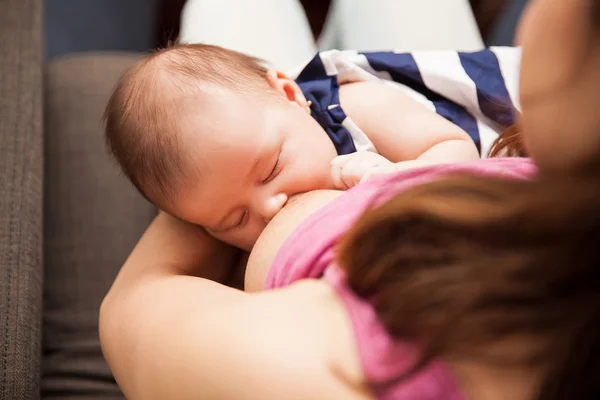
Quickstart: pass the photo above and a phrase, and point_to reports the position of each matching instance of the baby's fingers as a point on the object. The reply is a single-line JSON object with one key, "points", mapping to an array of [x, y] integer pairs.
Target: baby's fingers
{"points": [[339, 161], [353, 171], [336, 171], [380, 170]]}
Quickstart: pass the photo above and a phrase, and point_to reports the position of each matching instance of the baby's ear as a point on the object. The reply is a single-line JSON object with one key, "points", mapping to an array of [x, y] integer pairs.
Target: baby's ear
{"points": [[285, 87]]}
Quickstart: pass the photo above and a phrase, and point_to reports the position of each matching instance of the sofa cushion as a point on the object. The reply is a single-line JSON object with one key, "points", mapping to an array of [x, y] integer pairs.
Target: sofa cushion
{"points": [[93, 218], [21, 166]]}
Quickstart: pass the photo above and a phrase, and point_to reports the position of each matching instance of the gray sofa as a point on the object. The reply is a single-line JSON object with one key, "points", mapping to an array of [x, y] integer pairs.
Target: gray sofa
{"points": [[68, 219]]}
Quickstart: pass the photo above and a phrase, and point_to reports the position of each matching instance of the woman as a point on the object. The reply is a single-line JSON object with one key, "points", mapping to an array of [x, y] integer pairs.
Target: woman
{"points": [[460, 270]]}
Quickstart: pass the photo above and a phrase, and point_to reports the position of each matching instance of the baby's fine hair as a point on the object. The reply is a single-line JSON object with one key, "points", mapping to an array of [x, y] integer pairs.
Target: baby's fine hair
{"points": [[141, 115]]}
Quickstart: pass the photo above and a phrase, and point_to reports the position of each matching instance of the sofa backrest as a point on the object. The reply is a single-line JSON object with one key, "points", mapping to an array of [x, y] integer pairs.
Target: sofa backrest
{"points": [[21, 188]]}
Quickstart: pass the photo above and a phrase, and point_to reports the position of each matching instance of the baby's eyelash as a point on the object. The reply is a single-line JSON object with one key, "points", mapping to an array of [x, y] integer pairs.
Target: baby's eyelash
{"points": [[242, 220], [274, 171]]}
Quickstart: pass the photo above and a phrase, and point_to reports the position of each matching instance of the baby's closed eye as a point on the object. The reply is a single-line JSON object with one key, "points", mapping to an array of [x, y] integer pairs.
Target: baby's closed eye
{"points": [[275, 169], [242, 220]]}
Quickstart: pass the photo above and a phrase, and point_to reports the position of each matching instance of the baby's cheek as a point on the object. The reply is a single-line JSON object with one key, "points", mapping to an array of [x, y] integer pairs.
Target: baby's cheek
{"points": [[309, 176]]}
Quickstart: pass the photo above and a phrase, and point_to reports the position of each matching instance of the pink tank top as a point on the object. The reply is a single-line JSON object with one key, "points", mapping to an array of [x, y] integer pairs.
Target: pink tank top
{"points": [[309, 253]]}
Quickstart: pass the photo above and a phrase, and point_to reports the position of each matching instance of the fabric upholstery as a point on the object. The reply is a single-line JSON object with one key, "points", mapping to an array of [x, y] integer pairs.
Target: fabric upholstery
{"points": [[21, 163], [93, 218]]}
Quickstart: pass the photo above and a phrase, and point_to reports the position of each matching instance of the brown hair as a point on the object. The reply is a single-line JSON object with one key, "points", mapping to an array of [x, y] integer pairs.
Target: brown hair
{"points": [[141, 115], [466, 264], [509, 143], [463, 263]]}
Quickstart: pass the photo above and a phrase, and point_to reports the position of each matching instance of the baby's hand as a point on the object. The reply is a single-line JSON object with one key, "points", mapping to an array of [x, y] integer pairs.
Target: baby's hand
{"points": [[397, 167], [351, 169]]}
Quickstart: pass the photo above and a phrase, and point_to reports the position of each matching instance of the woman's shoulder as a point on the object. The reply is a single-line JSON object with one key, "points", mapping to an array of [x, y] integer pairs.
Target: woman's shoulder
{"points": [[302, 334], [328, 329]]}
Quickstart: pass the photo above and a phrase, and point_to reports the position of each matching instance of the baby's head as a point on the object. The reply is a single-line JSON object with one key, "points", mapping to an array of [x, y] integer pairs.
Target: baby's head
{"points": [[214, 137]]}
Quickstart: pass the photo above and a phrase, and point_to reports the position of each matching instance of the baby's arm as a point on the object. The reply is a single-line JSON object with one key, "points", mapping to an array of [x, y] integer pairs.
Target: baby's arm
{"points": [[403, 129], [404, 132]]}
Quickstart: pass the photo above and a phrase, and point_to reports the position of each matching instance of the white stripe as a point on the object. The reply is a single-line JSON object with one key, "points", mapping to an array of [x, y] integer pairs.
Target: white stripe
{"points": [[384, 76], [349, 71], [361, 61], [368, 73], [328, 60], [487, 135], [509, 59], [443, 73], [360, 139]]}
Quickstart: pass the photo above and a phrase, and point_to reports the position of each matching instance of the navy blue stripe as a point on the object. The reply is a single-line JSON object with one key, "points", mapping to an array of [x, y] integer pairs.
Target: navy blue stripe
{"points": [[484, 69], [313, 70], [459, 116], [323, 91], [404, 69], [344, 143]]}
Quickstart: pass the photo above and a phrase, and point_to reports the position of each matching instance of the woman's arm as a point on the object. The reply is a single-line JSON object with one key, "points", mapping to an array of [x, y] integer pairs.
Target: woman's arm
{"points": [[170, 245], [166, 334], [402, 129]]}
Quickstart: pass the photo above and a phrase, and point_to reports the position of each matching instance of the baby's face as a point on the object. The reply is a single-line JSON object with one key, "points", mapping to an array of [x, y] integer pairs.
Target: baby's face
{"points": [[252, 156]]}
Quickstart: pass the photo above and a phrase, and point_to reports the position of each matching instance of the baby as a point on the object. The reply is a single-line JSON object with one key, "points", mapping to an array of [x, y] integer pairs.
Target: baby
{"points": [[218, 139]]}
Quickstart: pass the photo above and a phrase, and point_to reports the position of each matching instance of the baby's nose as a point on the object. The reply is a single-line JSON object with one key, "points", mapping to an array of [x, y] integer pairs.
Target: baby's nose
{"points": [[273, 205]]}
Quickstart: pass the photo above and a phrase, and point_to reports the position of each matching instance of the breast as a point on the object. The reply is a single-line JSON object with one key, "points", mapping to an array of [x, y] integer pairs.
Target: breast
{"points": [[278, 231]]}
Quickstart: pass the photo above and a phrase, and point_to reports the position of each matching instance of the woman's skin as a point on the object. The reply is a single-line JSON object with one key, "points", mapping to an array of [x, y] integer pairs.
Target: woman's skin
{"points": [[170, 330], [272, 238], [209, 336], [560, 81]]}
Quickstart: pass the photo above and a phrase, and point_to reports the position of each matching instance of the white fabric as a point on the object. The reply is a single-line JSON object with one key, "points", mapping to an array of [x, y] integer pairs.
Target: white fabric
{"points": [[274, 30], [368, 25], [359, 138], [510, 64], [278, 31], [443, 73]]}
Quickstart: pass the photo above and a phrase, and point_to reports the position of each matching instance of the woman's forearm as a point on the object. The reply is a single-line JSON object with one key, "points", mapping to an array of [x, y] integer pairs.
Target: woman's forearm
{"points": [[157, 275], [174, 247], [169, 248]]}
